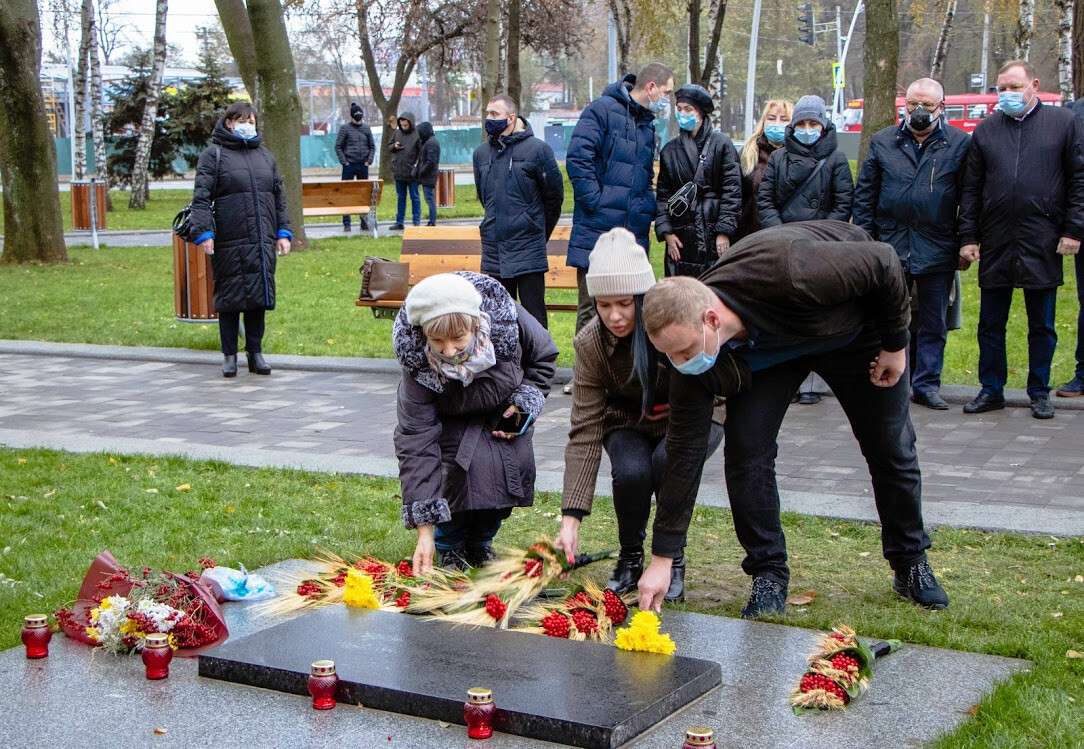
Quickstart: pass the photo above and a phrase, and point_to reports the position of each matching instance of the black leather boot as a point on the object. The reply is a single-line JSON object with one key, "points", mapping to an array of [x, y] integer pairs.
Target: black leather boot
{"points": [[676, 591], [257, 364], [627, 571], [229, 365], [479, 556]]}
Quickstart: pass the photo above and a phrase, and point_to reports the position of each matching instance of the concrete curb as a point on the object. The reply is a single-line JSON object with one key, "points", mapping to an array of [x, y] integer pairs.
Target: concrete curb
{"points": [[338, 364], [957, 394]]}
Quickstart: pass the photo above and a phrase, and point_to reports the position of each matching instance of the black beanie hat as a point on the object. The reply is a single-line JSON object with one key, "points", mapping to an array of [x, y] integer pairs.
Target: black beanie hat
{"points": [[356, 110], [696, 95]]}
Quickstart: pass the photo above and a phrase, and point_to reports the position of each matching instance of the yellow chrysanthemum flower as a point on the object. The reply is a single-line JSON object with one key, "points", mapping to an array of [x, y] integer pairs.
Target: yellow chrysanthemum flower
{"points": [[93, 633], [642, 635], [358, 592]]}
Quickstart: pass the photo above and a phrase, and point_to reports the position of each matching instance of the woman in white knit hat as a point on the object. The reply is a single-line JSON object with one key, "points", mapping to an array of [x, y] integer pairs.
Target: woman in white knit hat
{"points": [[619, 405], [476, 371]]}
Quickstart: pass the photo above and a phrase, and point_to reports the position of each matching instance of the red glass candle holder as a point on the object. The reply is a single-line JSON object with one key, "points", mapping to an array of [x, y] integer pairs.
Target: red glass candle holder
{"points": [[699, 737], [478, 712], [322, 682], [36, 635], [157, 655]]}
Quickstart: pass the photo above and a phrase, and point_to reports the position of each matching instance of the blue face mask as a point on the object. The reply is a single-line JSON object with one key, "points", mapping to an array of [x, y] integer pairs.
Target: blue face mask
{"points": [[700, 363], [245, 130], [807, 135], [775, 133], [661, 107], [1011, 102], [687, 121]]}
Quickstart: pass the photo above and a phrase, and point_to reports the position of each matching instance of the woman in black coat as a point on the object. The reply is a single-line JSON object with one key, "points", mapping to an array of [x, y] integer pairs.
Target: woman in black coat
{"points": [[239, 218], [807, 179], [427, 169], [697, 234]]}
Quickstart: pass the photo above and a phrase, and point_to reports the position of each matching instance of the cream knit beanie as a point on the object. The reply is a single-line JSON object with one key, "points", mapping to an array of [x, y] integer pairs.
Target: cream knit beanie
{"points": [[618, 266], [442, 294]]}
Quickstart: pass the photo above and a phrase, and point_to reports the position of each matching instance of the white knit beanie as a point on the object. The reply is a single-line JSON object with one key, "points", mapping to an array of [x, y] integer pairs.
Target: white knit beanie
{"points": [[442, 294], [618, 266]]}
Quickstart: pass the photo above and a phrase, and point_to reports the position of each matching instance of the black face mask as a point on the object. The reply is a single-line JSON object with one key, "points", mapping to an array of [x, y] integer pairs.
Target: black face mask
{"points": [[920, 120]]}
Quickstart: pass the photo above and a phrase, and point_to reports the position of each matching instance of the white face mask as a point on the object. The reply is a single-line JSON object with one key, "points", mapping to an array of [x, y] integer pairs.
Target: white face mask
{"points": [[245, 130]]}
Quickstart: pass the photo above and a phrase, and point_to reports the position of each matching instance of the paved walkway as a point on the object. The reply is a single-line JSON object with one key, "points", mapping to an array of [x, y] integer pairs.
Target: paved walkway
{"points": [[1001, 470]]}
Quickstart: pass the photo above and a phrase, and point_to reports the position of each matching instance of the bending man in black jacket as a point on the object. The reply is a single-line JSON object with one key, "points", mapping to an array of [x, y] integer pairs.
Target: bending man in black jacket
{"points": [[814, 296]]}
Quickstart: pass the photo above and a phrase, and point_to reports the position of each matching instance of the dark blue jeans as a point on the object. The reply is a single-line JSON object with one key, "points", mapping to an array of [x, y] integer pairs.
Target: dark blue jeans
{"points": [[638, 466], [1042, 339], [932, 299], [470, 529], [402, 186], [355, 171], [880, 419], [430, 193], [1079, 260]]}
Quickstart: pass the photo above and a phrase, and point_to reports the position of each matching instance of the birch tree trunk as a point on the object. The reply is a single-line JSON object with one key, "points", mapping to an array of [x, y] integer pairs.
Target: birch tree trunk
{"points": [[79, 116], [140, 181], [621, 11], [881, 61], [97, 122], [1066, 11], [33, 231], [937, 67], [1025, 27], [491, 53]]}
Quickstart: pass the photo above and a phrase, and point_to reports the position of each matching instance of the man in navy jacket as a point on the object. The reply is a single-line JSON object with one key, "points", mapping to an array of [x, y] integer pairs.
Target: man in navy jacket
{"points": [[908, 195], [611, 164]]}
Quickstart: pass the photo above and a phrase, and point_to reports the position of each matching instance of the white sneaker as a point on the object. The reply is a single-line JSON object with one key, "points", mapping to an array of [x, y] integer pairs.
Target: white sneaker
{"points": [[567, 389]]}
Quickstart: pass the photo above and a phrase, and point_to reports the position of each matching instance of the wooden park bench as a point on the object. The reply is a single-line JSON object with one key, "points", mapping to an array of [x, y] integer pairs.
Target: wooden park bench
{"points": [[430, 250], [340, 197]]}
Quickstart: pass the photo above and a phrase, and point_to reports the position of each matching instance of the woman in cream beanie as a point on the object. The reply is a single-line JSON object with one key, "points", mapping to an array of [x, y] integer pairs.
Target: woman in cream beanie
{"points": [[620, 405]]}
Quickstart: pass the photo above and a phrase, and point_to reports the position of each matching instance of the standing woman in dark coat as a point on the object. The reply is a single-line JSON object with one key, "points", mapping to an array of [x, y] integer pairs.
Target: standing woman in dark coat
{"points": [[767, 138], [696, 233], [239, 218], [428, 168]]}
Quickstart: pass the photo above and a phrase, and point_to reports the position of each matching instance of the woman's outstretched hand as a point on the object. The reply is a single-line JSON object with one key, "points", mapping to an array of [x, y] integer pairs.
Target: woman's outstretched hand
{"points": [[424, 551]]}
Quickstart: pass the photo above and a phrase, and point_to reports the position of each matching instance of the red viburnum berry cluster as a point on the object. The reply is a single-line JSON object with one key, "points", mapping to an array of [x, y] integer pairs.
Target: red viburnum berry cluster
{"points": [[373, 569], [403, 600], [405, 568], [310, 589], [585, 621], [191, 633], [495, 607], [838, 636], [847, 664], [556, 624], [615, 608], [340, 578], [532, 567], [580, 600], [207, 563], [811, 682]]}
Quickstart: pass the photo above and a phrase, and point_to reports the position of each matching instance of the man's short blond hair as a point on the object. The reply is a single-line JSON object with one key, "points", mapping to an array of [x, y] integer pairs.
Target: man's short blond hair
{"points": [[678, 300]]}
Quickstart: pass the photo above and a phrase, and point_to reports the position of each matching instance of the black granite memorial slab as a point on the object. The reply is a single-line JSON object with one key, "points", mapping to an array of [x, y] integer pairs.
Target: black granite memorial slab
{"points": [[579, 693]]}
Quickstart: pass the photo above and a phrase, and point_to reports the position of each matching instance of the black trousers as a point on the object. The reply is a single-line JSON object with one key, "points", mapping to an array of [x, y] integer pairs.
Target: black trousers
{"points": [[638, 465], [530, 290], [881, 421], [229, 325]]}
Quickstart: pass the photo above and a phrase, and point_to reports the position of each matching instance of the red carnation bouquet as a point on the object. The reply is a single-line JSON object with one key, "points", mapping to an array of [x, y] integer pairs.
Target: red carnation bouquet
{"points": [[839, 670], [116, 608]]}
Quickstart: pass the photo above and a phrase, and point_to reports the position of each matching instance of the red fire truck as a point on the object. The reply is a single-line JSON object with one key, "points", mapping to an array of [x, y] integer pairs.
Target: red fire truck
{"points": [[964, 111]]}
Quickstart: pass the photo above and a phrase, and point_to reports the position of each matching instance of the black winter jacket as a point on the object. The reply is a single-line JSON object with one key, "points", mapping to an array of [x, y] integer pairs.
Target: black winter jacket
{"points": [[815, 279], [750, 185], [719, 193], [405, 147], [354, 144], [1023, 190], [911, 199], [428, 167], [827, 196], [520, 188], [243, 208]]}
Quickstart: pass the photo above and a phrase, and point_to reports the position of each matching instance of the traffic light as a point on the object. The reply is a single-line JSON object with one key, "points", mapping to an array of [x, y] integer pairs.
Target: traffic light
{"points": [[805, 23]]}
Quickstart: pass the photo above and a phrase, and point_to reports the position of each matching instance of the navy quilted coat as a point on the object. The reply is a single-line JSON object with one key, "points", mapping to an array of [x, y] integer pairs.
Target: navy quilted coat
{"points": [[610, 163]]}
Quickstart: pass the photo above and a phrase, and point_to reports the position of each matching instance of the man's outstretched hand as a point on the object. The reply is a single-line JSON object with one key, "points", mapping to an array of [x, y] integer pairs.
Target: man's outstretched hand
{"points": [[886, 370], [654, 583]]}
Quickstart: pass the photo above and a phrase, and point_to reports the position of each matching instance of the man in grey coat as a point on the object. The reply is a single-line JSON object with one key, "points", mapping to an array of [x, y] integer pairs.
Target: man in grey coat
{"points": [[355, 148]]}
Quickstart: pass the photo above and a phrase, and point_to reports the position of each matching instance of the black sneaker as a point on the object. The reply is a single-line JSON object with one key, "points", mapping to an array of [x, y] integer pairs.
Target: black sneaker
{"points": [[1041, 407], [453, 560], [917, 583], [931, 400], [480, 556], [809, 399], [984, 402], [627, 572], [395, 227], [1074, 388], [766, 598]]}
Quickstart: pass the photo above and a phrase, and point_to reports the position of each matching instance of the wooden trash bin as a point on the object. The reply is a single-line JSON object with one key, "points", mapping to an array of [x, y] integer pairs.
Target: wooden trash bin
{"points": [[193, 283], [446, 188], [80, 191]]}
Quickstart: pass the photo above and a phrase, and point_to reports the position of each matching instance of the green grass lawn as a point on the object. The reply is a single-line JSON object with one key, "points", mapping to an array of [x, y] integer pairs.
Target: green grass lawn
{"points": [[1012, 595], [125, 297]]}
